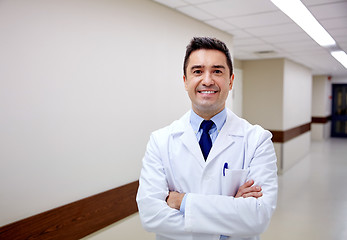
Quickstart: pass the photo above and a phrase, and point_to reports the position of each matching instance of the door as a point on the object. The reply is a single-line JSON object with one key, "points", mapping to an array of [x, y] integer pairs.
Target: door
{"points": [[339, 114]]}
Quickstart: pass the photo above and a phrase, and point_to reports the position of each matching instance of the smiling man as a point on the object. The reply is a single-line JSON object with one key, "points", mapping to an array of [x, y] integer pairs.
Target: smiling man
{"points": [[210, 174], [208, 80]]}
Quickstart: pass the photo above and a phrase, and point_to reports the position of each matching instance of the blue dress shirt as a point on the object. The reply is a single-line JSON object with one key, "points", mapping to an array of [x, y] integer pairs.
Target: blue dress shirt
{"points": [[219, 120]]}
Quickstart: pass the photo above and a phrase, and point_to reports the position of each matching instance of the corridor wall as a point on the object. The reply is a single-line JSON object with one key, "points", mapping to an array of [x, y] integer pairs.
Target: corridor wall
{"points": [[277, 95], [321, 107], [83, 84]]}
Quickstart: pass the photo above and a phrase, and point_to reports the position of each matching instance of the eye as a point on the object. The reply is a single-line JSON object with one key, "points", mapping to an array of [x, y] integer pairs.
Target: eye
{"points": [[197, 71], [218, 71]]}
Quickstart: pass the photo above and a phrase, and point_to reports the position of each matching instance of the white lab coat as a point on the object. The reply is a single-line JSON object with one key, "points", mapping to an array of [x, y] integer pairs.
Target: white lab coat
{"points": [[173, 162]]}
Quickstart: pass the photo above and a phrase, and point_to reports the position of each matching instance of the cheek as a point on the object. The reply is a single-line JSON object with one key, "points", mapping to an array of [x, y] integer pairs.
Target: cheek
{"points": [[190, 86], [185, 86]]}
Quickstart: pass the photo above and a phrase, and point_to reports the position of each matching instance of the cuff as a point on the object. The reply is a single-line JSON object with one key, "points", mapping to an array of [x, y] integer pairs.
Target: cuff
{"points": [[183, 204]]}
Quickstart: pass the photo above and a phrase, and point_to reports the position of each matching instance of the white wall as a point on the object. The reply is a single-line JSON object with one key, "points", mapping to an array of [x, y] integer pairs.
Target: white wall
{"points": [[295, 150], [234, 100], [339, 80], [263, 92], [321, 106], [297, 105], [82, 85], [297, 95], [320, 131], [321, 96]]}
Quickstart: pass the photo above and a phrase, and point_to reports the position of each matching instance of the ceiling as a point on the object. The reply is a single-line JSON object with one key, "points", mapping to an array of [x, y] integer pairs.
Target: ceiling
{"points": [[261, 30]]}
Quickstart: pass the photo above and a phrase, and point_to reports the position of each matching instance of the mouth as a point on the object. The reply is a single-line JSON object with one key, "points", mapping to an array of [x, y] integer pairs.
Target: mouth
{"points": [[207, 91]]}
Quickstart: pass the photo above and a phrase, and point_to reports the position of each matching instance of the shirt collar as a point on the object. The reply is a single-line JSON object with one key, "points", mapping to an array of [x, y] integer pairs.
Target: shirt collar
{"points": [[218, 119]]}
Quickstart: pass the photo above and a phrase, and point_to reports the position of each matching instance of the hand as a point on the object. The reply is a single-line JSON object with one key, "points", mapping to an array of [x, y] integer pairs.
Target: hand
{"points": [[248, 190], [174, 200]]}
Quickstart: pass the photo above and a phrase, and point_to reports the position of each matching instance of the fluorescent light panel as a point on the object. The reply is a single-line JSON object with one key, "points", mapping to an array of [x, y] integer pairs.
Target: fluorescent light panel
{"points": [[302, 16], [340, 56]]}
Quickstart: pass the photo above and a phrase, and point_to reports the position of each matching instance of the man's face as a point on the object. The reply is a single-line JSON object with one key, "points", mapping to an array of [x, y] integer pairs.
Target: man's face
{"points": [[208, 81]]}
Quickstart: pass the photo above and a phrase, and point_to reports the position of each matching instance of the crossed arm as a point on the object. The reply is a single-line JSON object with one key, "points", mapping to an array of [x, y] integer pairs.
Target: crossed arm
{"points": [[248, 189], [245, 214]]}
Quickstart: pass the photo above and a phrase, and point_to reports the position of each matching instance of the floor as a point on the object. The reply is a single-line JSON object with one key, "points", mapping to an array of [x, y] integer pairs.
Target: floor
{"points": [[312, 201]]}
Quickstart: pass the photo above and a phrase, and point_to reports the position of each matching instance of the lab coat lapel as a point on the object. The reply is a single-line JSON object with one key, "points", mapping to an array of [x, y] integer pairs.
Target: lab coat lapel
{"points": [[189, 140], [223, 141], [226, 136]]}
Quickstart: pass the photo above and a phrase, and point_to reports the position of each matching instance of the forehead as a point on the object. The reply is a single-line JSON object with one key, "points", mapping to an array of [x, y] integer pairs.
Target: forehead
{"points": [[207, 57]]}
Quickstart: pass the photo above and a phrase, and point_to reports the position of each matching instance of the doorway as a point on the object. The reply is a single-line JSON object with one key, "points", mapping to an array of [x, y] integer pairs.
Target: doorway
{"points": [[339, 111]]}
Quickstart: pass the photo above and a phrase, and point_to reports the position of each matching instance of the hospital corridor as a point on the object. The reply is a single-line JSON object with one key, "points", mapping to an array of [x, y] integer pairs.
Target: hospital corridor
{"points": [[312, 197], [115, 112]]}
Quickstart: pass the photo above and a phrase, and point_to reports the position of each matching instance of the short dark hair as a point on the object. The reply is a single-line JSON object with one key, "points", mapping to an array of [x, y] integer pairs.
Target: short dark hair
{"points": [[207, 43]]}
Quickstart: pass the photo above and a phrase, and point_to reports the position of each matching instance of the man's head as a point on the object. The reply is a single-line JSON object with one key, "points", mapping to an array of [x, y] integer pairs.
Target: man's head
{"points": [[208, 76], [207, 43]]}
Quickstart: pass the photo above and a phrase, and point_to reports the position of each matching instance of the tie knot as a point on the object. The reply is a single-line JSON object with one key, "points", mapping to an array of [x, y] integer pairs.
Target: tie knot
{"points": [[206, 125]]}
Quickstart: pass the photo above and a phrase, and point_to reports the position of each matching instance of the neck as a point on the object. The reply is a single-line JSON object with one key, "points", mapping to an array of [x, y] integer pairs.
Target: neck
{"points": [[207, 115]]}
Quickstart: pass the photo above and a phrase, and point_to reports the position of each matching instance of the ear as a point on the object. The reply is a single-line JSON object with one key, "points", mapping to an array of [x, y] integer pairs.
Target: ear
{"points": [[185, 82], [231, 82]]}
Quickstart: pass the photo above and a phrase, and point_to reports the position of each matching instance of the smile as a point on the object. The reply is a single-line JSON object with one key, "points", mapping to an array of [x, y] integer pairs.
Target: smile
{"points": [[207, 92]]}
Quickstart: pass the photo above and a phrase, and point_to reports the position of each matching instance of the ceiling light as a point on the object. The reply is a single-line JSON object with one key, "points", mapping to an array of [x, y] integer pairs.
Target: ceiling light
{"points": [[340, 56], [302, 16]]}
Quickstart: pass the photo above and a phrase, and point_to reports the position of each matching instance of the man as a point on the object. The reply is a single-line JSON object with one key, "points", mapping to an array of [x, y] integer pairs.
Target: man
{"points": [[190, 190]]}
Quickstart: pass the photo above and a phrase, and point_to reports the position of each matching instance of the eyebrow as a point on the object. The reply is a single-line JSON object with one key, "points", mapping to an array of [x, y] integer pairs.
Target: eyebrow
{"points": [[201, 66], [196, 66], [218, 66]]}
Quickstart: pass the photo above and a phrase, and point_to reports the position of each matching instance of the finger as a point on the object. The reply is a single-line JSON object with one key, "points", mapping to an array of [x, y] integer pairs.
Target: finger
{"points": [[254, 191], [250, 189], [250, 192], [247, 184], [243, 189], [253, 194], [247, 188]]}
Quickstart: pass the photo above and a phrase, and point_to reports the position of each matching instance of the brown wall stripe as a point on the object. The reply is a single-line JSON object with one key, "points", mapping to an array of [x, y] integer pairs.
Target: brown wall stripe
{"points": [[77, 219], [284, 136], [321, 119]]}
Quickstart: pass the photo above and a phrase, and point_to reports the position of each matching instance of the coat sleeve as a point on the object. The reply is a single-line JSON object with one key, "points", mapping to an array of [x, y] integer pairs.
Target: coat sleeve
{"points": [[156, 216], [239, 217]]}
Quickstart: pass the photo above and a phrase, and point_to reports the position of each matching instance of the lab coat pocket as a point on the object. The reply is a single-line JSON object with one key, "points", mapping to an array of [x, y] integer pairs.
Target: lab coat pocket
{"points": [[233, 179]]}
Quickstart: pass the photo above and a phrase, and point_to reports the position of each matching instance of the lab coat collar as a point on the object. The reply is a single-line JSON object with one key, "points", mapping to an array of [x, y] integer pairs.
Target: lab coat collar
{"points": [[232, 129], [234, 125]]}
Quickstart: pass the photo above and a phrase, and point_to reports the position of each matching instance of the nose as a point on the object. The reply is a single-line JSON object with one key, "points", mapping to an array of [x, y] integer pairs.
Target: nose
{"points": [[207, 79]]}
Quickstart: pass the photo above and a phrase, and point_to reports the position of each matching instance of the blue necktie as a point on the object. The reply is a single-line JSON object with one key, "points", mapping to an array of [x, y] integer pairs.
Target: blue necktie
{"points": [[205, 140]]}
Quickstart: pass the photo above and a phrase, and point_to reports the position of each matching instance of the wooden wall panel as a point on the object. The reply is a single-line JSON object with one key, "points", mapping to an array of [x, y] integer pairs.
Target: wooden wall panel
{"points": [[321, 119], [284, 136], [77, 219]]}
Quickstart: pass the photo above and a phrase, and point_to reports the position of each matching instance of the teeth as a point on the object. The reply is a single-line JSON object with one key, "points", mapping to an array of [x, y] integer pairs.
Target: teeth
{"points": [[207, 91]]}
